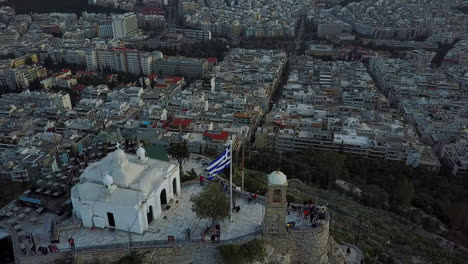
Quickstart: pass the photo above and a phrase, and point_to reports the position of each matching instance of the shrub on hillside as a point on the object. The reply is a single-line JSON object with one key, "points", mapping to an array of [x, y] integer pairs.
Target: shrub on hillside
{"points": [[251, 251], [133, 257]]}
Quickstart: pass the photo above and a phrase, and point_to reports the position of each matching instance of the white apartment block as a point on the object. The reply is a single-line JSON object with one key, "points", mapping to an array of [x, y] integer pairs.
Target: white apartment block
{"points": [[120, 59], [124, 25], [455, 156], [106, 31]]}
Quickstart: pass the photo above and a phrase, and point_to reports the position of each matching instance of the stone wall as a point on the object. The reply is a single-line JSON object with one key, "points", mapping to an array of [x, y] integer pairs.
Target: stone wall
{"points": [[311, 245], [194, 253], [183, 253], [303, 246]]}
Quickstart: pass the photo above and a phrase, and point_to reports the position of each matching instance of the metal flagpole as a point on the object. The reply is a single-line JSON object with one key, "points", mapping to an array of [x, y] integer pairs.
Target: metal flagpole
{"points": [[243, 151], [230, 175]]}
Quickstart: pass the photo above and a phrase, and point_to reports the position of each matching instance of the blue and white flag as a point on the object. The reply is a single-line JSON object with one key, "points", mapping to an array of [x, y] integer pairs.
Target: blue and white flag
{"points": [[221, 162]]}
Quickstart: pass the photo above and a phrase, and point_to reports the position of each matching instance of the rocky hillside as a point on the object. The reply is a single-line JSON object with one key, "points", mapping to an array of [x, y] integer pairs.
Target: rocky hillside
{"points": [[383, 237]]}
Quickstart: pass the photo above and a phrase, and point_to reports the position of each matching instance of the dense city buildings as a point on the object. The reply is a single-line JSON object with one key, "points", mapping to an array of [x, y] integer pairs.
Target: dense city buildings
{"points": [[335, 106], [438, 21], [248, 18], [428, 99], [108, 121]]}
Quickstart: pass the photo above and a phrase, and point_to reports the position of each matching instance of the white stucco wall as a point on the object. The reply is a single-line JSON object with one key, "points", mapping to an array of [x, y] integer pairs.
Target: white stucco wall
{"points": [[127, 217]]}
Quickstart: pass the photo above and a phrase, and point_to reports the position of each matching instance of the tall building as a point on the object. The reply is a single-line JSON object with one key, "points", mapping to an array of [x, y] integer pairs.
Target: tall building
{"points": [[120, 59], [124, 25], [181, 66], [91, 60], [21, 77], [106, 29], [455, 157]]}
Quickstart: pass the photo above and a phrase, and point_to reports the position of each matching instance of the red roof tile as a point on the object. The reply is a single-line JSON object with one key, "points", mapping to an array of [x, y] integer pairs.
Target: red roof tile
{"points": [[216, 135], [152, 10], [181, 122], [85, 72], [79, 87]]}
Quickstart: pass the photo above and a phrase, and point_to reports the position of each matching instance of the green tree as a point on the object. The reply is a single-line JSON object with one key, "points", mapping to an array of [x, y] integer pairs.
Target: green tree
{"points": [[133, 257], [180, 152], [404, 192], [375, 196], [249, 252], [458, 214], [332, 163], [211, 203], [191, 175]]}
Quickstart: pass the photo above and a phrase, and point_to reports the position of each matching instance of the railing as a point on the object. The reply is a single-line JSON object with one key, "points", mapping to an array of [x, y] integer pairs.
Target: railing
{"points": [[162, 244]]}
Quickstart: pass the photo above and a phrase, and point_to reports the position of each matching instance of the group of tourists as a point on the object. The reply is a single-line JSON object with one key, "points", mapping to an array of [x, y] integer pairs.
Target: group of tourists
{"points": [[308, 211], [252, 198], [49, 249], [213, 233], [29, 246]]}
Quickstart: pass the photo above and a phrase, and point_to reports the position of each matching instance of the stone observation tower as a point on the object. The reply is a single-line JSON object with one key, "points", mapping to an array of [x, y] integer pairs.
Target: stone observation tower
{"points": [[302, 243], [276, 209]]}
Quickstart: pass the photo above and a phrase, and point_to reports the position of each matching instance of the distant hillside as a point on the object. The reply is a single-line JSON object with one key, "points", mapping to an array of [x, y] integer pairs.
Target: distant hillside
{"points": [[65, 6]]}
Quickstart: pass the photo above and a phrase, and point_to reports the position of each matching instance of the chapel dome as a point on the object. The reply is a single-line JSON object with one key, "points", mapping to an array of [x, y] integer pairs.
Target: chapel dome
{"points": [[118, 154], [141, 153], [108, 180], [119, 160], [277, 178]]}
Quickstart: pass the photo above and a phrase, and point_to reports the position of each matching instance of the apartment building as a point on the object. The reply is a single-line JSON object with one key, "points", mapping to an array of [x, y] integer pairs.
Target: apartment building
{"points": [[455, 157], [181, 66], [192, 34], [124, 25]]}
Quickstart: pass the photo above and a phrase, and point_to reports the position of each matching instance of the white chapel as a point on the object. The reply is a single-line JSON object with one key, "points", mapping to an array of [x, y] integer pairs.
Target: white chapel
{"points": [[124, 191]]}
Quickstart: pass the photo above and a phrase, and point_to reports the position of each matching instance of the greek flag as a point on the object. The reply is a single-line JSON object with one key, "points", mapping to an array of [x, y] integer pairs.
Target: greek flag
{"points": [[221, 162]]}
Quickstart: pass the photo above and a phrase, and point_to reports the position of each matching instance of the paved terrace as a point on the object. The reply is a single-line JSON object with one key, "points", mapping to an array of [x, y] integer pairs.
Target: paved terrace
{"points": [[172, 222]]}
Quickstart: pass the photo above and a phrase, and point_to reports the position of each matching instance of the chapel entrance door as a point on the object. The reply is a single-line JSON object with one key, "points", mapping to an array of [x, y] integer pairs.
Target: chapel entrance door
{"points": [[174, 186], [110, 219], [163, 199], [149, 215]]}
